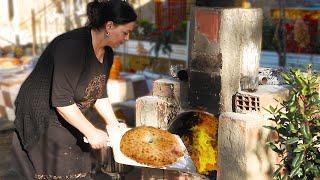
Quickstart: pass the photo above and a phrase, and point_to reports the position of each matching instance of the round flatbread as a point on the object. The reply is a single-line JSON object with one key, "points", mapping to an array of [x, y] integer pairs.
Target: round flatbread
{"points": [[151, 146]]}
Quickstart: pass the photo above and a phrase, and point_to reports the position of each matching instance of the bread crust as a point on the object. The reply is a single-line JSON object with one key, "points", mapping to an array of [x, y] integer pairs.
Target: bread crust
{"points": [[151, 146]]}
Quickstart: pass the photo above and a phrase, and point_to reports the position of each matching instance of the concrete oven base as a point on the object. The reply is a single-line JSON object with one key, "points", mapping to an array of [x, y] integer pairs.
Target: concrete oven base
{"points": [[243, 153]]}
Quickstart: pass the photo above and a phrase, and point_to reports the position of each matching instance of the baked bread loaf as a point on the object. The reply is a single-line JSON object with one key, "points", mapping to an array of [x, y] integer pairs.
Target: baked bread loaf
{"points": [[151, 146]]}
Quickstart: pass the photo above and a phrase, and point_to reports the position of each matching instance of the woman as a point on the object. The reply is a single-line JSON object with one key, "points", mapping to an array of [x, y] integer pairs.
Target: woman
{"points": [[70, 78]]}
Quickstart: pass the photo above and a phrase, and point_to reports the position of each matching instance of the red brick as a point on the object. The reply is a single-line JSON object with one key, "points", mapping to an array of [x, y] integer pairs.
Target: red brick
{"points": [[208, 23]]}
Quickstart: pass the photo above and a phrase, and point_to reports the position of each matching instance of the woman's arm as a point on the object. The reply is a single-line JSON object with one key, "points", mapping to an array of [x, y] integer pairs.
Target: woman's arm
{"points": [[72, 114], [104, 108]]}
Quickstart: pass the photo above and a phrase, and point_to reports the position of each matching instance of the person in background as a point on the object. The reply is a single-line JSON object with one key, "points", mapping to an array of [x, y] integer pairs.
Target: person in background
{"points": [[68, 80]]}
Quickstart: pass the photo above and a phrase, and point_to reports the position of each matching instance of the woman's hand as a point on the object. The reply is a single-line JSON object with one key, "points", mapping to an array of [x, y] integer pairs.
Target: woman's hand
{"points": [[97, 138]]}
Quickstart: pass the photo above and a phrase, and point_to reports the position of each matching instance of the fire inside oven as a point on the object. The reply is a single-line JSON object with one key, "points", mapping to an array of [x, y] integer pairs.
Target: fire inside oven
{"points": [[199, 132]]}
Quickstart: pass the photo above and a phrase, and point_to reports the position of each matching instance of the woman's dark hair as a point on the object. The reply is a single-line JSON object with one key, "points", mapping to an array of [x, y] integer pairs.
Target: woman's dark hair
{"points": [[101, 11]]}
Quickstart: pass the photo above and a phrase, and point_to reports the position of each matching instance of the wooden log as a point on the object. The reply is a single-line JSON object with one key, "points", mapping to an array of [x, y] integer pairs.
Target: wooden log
{"points": [[172, 90], [154, 111]]}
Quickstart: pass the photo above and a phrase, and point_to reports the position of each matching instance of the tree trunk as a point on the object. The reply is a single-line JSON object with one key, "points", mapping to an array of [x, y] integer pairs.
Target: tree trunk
{"points": [[282, 35], [34, 34]]}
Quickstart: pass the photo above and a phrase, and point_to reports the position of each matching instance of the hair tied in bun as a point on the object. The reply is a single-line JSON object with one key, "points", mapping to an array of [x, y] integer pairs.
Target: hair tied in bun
{"points": [[99, 12]]}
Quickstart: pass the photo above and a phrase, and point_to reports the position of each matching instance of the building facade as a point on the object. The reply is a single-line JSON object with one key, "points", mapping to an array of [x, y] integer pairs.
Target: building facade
{"points": [[25, 21]]}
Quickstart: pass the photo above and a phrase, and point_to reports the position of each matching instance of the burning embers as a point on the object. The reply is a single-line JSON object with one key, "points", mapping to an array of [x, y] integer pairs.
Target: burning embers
{"points": [[199, 132]]}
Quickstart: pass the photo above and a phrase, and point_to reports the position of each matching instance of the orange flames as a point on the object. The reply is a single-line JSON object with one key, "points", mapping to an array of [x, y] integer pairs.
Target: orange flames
{"points": [[202, 145]]}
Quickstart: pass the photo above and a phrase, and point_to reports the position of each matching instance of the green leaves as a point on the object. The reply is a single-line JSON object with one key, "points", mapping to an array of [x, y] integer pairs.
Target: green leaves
{"points": [[162, 42], [305, 129], [274, 147], [297, 160], [293, 109], [286, 78], [298, 127], [276, 174], [292, 128], [143, 29], [292, 140]]}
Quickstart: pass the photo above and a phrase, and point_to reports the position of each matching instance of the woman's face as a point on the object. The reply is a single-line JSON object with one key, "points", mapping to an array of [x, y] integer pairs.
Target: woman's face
{"points": [[118, 34]]}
